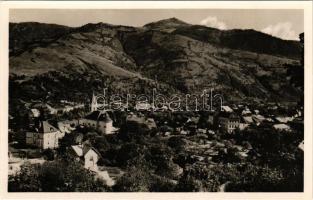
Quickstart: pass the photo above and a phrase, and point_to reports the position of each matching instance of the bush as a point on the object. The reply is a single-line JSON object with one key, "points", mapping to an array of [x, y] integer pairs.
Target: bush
{"points": [[55, 176], [48, 154]]}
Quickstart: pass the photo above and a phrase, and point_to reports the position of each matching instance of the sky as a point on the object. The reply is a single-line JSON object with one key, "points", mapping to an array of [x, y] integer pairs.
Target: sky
{"points": [[282, 23]]}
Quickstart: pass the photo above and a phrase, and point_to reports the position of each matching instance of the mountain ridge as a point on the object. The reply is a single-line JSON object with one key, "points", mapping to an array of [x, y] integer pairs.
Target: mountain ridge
{"points": [[188, 58], [204, 33]]}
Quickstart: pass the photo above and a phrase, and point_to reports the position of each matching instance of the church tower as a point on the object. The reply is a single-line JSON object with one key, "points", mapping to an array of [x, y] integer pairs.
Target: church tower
{"points": [[94, 103]]}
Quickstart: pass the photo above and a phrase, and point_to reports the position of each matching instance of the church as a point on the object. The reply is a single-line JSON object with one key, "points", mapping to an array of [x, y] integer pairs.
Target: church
{"points": [[98, 118]]}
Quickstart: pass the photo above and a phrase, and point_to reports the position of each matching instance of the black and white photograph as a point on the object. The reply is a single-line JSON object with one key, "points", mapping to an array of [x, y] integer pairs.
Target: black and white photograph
{"points": [[156, 100]]}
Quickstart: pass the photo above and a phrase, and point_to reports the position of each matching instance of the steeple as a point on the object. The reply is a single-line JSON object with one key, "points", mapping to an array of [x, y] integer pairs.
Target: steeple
{"points": [[94, 104]]}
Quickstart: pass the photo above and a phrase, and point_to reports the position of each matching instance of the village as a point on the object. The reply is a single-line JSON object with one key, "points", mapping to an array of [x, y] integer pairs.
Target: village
{"points": [[207, 138]]}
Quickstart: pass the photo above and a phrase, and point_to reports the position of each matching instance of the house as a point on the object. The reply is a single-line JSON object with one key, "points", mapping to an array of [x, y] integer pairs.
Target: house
{"points": [[44, 136], [15, 162], [67, 126], [283, 119], [100, 120], [228, 122], [151, 123], [282, 127], [258, 118], [88, 155], [246, 111], [248, 119], [45, 107], [34, 112], [227, 109], [193, 120], [33, 116], [52, 110], [243, 126], [133, 120], [184, 132], [210, 120], [143, 106], [301, 145]]}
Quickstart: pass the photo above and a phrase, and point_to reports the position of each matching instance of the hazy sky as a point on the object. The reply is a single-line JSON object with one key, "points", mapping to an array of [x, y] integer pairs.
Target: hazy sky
{"points": [[286, 24]]}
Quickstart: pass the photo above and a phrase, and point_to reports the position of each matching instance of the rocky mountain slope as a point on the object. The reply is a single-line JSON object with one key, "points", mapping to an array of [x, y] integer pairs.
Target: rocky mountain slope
{"points": [[54, 62]]}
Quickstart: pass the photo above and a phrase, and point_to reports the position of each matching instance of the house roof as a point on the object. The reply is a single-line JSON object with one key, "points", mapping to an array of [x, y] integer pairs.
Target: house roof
{"points": [[258, 118], [231, 116], [227, 109], [282, 126], [245, 112], [151, 123], [78, 149], [45, 127], [248, 119], [99, 116], [83, 149], [35, 112], [284, 119], [135, 118]]}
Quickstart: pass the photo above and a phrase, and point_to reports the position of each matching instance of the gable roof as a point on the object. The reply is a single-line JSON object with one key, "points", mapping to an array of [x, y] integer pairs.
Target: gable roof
{"points": [[46, 127], [78, 150], [99, 116], [83, 149], [227, 109]]}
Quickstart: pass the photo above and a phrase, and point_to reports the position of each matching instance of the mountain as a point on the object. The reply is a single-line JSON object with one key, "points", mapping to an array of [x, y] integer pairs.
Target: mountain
{"points": [[167, 25], [55, 62], [29, 34], [249, 40]]}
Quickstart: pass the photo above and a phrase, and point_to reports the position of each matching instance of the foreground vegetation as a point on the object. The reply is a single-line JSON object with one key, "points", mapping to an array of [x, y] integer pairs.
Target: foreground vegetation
{"points": [[166, 164]]}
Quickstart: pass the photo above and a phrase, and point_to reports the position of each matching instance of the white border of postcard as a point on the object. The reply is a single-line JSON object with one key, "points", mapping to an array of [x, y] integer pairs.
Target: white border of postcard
{"points": [[4, 20]]}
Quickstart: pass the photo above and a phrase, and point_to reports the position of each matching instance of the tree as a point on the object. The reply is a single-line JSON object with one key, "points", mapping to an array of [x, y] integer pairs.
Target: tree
{"points": [[55, 176], [198, 178], [48, 154], [27, 180], [137, 178], [258, 179], [177, 143]]}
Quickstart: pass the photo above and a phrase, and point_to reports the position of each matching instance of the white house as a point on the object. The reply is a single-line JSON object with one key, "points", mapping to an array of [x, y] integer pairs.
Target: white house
{"points": [[99, 120], [15, 164], [243, 126], [143, 106], [301, 145], [67, 126], [284, 119], [227, 109], [281, 127], [89, 155], [34, 112], [45, 136], [228, 122], [248, 119], [246, 111]]}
